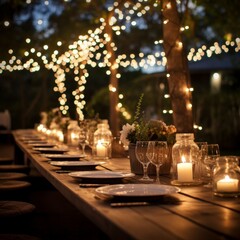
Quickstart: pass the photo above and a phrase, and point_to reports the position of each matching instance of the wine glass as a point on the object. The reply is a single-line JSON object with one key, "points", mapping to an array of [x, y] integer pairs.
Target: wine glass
{"points": [[141, 154], [210, 152], [83, 139], [201, 170], [90, 138], [157, 152]]}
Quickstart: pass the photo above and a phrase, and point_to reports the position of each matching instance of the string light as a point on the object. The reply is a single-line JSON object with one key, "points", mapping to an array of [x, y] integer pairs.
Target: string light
{"points": [[90, 49]]}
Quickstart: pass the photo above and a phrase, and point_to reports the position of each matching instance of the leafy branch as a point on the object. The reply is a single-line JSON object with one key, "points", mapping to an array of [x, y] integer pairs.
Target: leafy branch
{"points": [[138, 109]]}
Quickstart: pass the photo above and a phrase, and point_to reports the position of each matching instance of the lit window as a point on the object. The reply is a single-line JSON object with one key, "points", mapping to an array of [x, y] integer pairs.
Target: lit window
{"points": [[216, 80]]}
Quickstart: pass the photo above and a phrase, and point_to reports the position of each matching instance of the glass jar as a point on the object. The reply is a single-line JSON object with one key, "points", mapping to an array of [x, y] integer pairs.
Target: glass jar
{"points": [[226, 178], [73, 134], [185, 154], [102, 142]]}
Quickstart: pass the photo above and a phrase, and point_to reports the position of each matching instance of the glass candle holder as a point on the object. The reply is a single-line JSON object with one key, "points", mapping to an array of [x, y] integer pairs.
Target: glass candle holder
{"points": [[185, 154], [226, 178], [102, 148], [72, 133]]}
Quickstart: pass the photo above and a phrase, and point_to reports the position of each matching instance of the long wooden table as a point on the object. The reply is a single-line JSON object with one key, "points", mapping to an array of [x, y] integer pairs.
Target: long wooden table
{"points": [[194, 214]]}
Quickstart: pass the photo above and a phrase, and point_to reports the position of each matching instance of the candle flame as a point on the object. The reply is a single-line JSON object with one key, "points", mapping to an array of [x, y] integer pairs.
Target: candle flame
{"points": [[183, 159], [100, 142], [227, 178]]}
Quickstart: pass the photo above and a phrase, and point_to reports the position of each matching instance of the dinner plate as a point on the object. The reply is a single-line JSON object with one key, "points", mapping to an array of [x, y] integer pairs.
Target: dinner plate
{"points": [[100, 175], [42, 145], [35, 142], [31, 138], [63, 157], [137, 190], [75, 163], [50, 150]]}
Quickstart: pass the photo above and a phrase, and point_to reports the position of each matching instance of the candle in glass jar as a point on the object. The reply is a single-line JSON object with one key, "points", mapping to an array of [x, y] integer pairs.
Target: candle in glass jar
{"points": [[101, 150], [74, 139], [184, 170], [60, 136], [227, 184]]}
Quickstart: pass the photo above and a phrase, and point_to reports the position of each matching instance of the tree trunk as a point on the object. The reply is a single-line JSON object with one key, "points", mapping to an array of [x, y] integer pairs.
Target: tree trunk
{"points": [[177, 68], [113, 86]]}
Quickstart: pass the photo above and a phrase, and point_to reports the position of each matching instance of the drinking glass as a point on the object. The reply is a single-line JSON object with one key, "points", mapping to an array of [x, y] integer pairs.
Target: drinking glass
{"points": [[200, 144], [157, 152], [83, 139], [210, 153], [201, 170], [141, 154], [90, 139]]}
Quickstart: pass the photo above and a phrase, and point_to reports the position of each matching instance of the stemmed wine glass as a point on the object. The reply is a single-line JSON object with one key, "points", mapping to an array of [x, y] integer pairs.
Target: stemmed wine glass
{"points": [[210, 152], [141, 154], [201, 170], [157, 152], [90, 138], [82, 139]]}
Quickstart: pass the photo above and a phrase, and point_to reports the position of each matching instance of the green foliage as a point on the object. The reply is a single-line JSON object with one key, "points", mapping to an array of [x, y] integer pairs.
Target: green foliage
{"points": [[152, 130], [137, 115]]}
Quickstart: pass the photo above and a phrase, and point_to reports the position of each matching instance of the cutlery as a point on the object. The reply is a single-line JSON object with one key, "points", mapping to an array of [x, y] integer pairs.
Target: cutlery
{"points": [[129, 204], [63, 171], [92, 185]]}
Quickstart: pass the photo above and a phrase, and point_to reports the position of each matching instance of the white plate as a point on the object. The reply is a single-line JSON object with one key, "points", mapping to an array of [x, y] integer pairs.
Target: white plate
{"points": [[50, 150], [100, 175], [75, 163], [35, 142], [31, 139], [62, 156], [42, 145], [137, 190]]}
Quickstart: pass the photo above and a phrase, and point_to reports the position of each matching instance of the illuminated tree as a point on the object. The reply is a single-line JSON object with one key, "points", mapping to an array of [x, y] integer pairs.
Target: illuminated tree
{"points": [[177, 68], [113, 83]]}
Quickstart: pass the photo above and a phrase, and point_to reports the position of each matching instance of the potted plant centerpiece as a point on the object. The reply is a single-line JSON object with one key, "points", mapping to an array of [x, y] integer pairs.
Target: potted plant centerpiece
{"points": [[150, 130]]}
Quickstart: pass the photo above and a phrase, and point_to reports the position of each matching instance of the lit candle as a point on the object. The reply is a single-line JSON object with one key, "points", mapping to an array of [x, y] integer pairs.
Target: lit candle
{"points": [[184, 170], [227, 184], [74, 139], [101, 150], [60, 136]]}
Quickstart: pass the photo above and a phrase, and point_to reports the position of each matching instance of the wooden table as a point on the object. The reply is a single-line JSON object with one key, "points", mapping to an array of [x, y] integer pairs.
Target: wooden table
{"points": [[194, 214]]}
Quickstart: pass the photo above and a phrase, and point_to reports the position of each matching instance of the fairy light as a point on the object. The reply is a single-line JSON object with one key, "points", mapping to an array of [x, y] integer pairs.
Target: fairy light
{"points": [[112, 88], [122, 109], [165, 21], [179, 44], [90, 49], [189, 106], [187, 90], [40, 22], [195, 126], [6, 23]]}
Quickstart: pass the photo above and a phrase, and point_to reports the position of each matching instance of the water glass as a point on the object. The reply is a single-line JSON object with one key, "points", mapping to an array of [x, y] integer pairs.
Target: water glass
{"points": [[210, 154], [157, 153], [141, 154], [201, 170], [83, 139]]}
